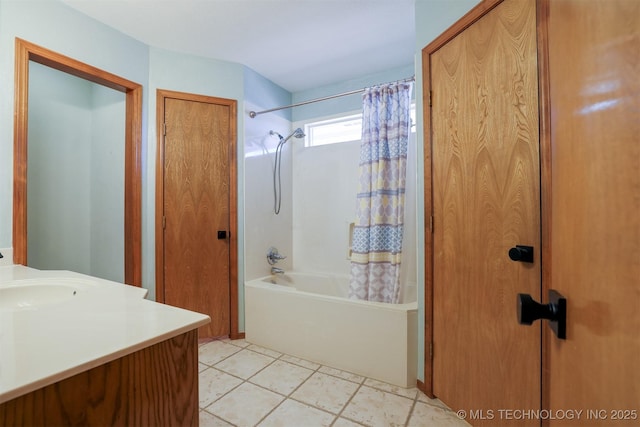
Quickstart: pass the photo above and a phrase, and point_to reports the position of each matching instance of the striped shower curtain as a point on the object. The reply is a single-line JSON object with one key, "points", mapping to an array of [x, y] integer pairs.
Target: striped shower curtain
{"points": [[377, 235]]}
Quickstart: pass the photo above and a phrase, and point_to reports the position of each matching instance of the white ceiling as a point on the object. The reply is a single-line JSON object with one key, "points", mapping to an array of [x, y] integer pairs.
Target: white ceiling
{"points": [[297, 44]]}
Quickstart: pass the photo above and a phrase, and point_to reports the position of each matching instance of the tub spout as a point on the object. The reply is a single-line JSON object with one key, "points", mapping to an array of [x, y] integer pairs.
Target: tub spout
{"points": [[276, 270]]}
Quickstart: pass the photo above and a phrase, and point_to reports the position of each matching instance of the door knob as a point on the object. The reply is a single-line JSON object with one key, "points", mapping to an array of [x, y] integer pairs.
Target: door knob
{"points": [[555, 311], [521, 253], [222, 234]]}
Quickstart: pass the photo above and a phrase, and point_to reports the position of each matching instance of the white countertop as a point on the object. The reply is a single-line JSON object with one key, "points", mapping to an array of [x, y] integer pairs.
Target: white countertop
{"points": [[103, 321]]}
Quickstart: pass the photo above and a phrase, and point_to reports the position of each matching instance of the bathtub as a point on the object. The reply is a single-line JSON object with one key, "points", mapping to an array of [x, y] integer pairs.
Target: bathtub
{"points": [[308, 315]]}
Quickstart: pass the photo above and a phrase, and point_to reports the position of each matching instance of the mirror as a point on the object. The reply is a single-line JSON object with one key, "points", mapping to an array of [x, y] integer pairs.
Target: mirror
{"points": [[75, 175], [28, 53]]}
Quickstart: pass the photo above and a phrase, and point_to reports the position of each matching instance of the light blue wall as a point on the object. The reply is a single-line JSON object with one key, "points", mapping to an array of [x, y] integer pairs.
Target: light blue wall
{"points": [[59, 172], [263, 94], [53, 25], [108, 109], [432, 18], [75, 175], [196, 75], [343, 104]]}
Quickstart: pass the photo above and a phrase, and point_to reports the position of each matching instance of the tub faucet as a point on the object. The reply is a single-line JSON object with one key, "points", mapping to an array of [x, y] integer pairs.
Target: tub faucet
{"points": [[276, 270], [273, 256]]}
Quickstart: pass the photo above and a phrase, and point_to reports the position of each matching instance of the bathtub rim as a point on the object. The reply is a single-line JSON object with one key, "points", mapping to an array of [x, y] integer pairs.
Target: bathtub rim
{"points": [[262, 282]]}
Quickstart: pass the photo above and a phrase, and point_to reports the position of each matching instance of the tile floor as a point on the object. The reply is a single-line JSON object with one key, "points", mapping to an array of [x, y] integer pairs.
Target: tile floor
{"points": [[242, 384]]}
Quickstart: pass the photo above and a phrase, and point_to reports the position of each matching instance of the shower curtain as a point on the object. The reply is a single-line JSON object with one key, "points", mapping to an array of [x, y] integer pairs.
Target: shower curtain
{"points": [[377, 235]]}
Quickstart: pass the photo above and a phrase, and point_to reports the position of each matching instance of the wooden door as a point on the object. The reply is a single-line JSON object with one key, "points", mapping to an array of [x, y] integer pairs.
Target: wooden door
{"points": [[594, 64], [485, 178], [196, 207]]}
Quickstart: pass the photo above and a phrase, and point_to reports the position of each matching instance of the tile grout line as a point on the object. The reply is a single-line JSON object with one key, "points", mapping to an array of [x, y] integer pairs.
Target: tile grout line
{"points": [[220, 418], [240, 378], [290, 396], [410, 414], [223, 359], [332, 372], [228, 391], [360, 384], [264, 388], [285, 397], [316, 370]]}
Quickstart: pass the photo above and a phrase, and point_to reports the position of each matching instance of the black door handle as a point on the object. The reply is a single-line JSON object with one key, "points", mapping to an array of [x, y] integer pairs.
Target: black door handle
{"points": [[222, 234], [521, 253], [555, 311]]}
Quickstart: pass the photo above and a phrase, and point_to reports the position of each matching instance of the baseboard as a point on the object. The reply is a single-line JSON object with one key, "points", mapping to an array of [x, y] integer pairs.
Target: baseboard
{"points": [[423, 388], [237, 336]]}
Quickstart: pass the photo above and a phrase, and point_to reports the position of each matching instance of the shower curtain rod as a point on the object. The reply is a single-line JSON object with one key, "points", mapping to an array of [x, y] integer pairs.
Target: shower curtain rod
{"points": [[253, 114]]}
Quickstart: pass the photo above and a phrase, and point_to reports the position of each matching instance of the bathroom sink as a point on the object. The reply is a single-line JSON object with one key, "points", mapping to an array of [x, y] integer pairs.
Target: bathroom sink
{"points": [[24, 297]]}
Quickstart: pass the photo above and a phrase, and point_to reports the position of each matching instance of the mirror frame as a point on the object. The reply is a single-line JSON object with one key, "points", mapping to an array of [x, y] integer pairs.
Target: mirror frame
{"points": [[25, 52]]}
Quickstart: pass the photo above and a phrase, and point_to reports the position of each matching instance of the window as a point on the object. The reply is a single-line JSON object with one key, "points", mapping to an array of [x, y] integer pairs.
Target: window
{"points": [[340, 129], [332, 131]]}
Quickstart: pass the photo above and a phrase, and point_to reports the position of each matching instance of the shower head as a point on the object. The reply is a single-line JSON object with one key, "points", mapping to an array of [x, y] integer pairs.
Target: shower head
{"points": [[298, 133]]}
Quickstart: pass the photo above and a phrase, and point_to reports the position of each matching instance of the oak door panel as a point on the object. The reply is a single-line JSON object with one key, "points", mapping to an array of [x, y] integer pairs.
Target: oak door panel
{"points": [[196, 207], [485, 177], [594, 57]]}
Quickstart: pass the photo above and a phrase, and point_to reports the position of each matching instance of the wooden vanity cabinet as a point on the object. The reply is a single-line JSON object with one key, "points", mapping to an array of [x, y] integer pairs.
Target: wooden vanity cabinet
{"points": [[154, 386]]}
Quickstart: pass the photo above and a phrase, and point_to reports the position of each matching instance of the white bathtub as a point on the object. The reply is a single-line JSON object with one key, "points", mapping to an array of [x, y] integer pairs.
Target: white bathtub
{"points": [[308, 316]]}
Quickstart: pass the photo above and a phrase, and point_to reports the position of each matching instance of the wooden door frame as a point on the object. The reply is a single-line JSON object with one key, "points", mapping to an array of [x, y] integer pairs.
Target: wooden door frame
{"points": [[161, 95], [462, 24], [25, 52], [544, 103]]}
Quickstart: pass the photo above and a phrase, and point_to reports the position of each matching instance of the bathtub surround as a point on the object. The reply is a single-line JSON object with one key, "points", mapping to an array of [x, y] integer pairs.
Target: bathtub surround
{"points": [[377, 236], [321, 218], [263, 228], [309, 316]]}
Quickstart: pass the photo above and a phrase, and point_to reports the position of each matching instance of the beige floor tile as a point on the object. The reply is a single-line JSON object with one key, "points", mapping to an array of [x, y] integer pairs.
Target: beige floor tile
{"points": [[245, 363], [433, 402], [213, 384], [281, 377], [423, 397], [249, 383], [343, 422], [300, 362], [425, 415], [208, 420], [406, 392], [265, 351], [238, 343], [246, 405], [291, 413], [378, 408], [342, 374], [215, 351], [325, 392]]}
